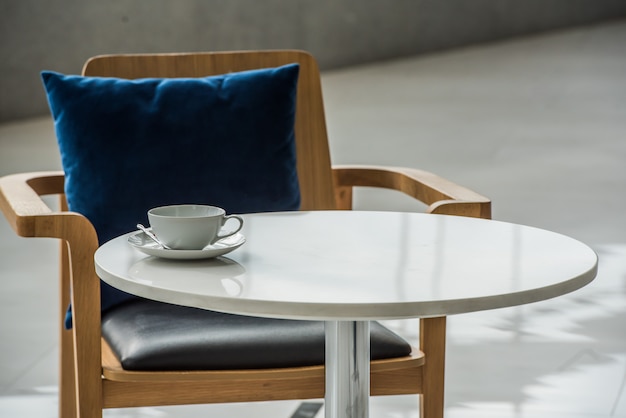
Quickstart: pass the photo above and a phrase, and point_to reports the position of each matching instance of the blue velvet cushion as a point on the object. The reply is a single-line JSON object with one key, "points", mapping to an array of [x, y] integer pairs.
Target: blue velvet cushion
{"points": [[130, 145]]}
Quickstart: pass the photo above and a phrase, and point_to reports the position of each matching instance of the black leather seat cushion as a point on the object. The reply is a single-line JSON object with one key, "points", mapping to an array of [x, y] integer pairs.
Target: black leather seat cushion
{"points": [[148, 335]]}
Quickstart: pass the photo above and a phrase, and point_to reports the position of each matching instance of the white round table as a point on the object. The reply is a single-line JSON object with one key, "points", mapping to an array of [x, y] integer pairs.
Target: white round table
{"points": [[350, 267]]}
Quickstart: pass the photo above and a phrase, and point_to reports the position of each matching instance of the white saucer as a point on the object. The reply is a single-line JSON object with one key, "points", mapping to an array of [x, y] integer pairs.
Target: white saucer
{"points": [[144, 244]]}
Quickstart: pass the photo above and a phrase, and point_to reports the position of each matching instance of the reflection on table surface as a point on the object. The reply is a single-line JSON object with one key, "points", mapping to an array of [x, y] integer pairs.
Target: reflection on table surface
{"points": [[359, 264]]}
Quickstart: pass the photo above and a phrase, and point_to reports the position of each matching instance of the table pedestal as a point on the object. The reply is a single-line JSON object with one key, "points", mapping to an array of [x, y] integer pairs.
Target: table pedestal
{"points": [[347, 369]]}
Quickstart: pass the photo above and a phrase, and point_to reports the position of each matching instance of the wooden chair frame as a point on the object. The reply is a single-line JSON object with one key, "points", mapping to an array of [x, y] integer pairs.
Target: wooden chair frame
{"points": [[91, 377]]}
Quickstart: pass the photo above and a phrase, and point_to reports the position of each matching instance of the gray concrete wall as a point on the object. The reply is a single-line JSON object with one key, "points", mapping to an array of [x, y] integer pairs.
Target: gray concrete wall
{"points": [[61, 34]]}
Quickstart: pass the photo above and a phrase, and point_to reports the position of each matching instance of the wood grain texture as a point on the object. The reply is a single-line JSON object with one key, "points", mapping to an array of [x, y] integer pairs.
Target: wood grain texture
{"points": [[442, 195], [433, 343]]}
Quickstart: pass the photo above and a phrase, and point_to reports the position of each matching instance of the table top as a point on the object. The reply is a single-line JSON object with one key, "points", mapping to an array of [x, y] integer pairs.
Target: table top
{"points": [[355, 265]]}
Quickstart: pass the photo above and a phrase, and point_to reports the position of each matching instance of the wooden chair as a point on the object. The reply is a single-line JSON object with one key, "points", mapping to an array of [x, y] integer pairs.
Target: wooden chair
{"points": [[91, 377]]}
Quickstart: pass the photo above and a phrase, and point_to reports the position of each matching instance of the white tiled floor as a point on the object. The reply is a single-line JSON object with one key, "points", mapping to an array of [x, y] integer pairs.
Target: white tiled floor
{"points": [[537, 124]]}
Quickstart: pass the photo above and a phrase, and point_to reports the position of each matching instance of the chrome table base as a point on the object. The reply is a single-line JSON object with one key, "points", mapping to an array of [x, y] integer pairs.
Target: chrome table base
{"points": [[347, 369]]}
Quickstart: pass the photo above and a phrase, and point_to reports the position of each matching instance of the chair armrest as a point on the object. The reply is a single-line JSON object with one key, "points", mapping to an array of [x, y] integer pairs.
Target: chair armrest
{"points": [[442, 196], [22, 205], [30, 216]]}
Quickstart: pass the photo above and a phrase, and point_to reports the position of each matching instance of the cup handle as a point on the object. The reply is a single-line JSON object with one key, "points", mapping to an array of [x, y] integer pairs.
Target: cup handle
{"points": [[228, 234]]}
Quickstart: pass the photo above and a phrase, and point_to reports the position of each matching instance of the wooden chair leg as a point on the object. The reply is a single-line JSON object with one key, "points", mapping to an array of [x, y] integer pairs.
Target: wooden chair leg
{"points": [[433, 344], [67, 387]]}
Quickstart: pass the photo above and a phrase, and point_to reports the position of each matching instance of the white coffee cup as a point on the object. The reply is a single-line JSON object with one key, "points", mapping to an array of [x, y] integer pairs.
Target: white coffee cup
{"points": [[190, 227]]}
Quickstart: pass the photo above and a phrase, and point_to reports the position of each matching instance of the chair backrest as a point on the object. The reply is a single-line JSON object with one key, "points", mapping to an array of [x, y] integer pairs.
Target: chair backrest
{"points": [[313, 157]]}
